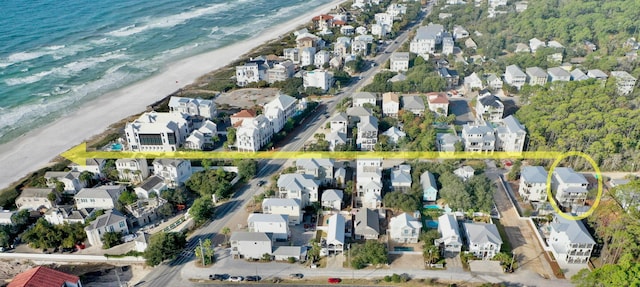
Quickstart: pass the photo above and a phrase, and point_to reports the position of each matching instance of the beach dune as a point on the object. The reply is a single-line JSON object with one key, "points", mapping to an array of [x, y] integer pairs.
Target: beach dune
{"points": [[37, 148]]}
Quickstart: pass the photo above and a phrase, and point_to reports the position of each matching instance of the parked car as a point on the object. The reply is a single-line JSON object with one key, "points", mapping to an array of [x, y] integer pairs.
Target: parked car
{"points": [[220, 277], [334, 280], [253, 278], [296, 275], [261, 183], [235, 278]]}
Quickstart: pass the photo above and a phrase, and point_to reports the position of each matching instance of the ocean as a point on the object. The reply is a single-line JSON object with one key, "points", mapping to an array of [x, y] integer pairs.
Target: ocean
{"points": [[57, 55]]}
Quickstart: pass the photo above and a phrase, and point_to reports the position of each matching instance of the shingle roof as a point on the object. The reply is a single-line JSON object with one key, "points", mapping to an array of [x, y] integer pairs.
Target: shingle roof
{"points": [[491, 101], [367, 221], [43, 277], [109, 218]]}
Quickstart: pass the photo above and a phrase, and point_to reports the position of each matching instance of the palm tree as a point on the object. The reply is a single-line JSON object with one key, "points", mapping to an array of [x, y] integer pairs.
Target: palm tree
{"points": [[226, 231], [86, 177]]}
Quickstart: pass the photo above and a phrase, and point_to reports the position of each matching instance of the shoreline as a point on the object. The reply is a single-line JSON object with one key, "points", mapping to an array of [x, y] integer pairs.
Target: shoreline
{"points": [[37, 148]]}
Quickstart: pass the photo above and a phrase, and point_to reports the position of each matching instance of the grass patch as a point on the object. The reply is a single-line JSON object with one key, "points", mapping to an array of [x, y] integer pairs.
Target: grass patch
{"points": [[130, 253], [506, 245]]}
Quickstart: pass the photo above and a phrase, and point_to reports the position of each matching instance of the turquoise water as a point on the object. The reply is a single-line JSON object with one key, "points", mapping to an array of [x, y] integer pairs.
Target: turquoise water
{"points": [[56, 55], [432, 206], [401, 248], [431, 223], [116, 147]]}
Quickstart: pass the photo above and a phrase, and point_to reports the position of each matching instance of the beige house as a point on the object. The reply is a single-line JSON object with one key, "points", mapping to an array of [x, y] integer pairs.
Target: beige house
{"points": [[35, 199]]}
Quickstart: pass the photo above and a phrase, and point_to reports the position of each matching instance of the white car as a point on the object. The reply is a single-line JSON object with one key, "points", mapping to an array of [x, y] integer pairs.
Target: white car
{"points": [[235, 278]]}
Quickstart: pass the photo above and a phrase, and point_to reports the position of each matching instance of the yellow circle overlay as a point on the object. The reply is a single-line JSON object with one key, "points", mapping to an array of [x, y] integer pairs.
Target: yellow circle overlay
{"points": [[550, 195]]}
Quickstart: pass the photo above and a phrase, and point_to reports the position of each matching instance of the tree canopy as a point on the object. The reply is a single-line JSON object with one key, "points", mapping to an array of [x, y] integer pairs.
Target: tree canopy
{"points": [[212, 181], [371, 252], [163, 246], [401, 201], [202, 209]]}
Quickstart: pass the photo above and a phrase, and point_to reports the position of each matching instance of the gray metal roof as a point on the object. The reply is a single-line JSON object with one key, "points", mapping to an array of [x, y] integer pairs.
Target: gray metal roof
{"points": [[367, 222], [412, 102], [512, 124], [399, 56], [340, 117], [103, 191], [36, 192], [263, 217], [448, 227], [536, 72], [314, 163], [430, 31], [558, 72], [296, 181], [110, 217], [483, 233], [574, 229], [428, 180], [332, 195], [534, 174], [515, 71], [364, 95], [288, 251], [249, 236], [368, 123], [335, 234], [281, 202], [568, 175]]}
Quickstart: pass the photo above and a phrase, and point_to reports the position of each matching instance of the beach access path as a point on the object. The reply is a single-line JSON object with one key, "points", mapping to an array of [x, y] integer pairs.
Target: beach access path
{"points": [[37, 148]]}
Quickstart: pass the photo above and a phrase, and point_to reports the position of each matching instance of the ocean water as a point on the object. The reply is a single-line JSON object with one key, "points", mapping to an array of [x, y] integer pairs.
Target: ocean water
{"points": [[56, 55]]}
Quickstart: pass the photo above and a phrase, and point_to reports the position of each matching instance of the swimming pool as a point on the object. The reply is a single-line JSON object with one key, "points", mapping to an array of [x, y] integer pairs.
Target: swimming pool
{"points": [[431, 223], [432, 206], [402, 248], [116, 147]]}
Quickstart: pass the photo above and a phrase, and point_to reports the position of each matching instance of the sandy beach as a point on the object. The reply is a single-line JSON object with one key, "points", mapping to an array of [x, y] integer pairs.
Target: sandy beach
{"points": [[37, 148]]}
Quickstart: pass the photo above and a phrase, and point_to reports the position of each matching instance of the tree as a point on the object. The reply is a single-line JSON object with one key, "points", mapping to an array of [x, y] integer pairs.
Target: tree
{"points": [[206, 163], [247, 168], [163, 246], [371, 252], [226, 231], [514, 173], [52, 196], [111, 239], [314, 252], [201, 210], [231, 136], [87, 177], [401, 201], [431, 254], [205, 250], [128, 197], [210, 182]]}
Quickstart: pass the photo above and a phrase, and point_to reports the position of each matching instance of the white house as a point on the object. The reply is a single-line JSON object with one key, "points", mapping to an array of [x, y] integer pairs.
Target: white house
{"points": [[252, 72], [533, 183], [510, 135], [101, 197], [429, 186], [283, 206], [494, 82], [175, 172], [570, 241], [154, 131], [438, 103], [342, 46], [597, 74], [426, 39], [70, 179], [578, 75], [281, 71], [464, 172], [380, 30], [317, 78], [405, 228], [489, 108], [194, 107], [6, 217], [35, 199], [132, 169], [66, 214], [253, 134], [479, 138], [276, 224], [322, 57], [390, 105], [447, 45], [298, 186], [321, 169], [332, 198], [369, 182], [483, 239], [624, 82], [536, 76], [153, 184], [279, 110], [359, 99], [558, 74], [339, 123], [93, 165], [413, 104], [460, 32], [111, 221], [451, 242], [366, 224], [447, 142], [535, 44], [250, 245], [367, 133], [401, 178], [394, 134], [570, 187], [203, 137], [307, 56], [292, 54], [335, 234], [472, 82], [399, 61], [515, 77]]}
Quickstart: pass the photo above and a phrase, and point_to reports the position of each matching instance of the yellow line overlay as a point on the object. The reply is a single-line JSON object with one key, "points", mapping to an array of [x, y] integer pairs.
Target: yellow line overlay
{"points": [[79, 155]]}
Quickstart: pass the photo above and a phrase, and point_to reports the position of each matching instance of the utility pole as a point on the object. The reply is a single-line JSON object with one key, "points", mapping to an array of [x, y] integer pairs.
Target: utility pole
{"points": [[202, 251]]}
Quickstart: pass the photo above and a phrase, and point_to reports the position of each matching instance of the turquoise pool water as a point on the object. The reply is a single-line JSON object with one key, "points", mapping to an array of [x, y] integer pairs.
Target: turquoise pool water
{"points": [[116, 147], [432, 206], [401, 248], [431, 223]]}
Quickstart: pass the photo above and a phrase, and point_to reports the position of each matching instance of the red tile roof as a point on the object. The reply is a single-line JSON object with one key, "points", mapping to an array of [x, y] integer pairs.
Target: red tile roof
{"points": [[323, 16], [339, 23], [437, 98], [43, 277], [244, 114]]}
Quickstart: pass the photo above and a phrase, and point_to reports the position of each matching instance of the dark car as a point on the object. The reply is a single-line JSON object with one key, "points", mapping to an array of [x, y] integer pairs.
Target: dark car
{"points": [[296, 276], [334, 280], [221, 277], [253, 278], [261, 183]]}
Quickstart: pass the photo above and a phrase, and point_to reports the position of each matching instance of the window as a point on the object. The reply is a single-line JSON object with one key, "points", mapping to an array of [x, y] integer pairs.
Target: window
{"points": [[122, 224]]}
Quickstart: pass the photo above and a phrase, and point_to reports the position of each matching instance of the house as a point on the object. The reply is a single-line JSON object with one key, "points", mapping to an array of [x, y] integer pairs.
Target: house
{"points": [[282, 71], [399, 61], [92, 165], [578, 75], [494, 82], [438, 103], [42, 276], [203, 137], [321, 58], [369, 182], [429, 186], [483, 239], [447, 45], [341, 46], [515, 77], [335, 234], [390, 105], [367, 133], [521, 6], [284, 206], [35, 199], [460, 32], [321, 169], [153, 184], [380, 30], [394, 134], [535, 44], [347, 30], [304, 40], [522, 48], [397, 78], [355, 114], [283, 253], [489, 108], [366, 224], [320, 79], [339, 123], [252, 72], [279, 110], [175, 172], [298, 186], [111, 221], [555, 44], [536, 76], [359, 47], [451, 76], [237, 118], [401, 178], [142, 241], [405, 228], [193, 107], [359, 99], [154, 131], [101, 197], [276, 224], [597, 74], [6, 217], [336, 139], [473, 82], [70, 179], [470, 43], [624, 82], [426, 39], [307, 56], [447, 142], [450, 243], [478, 137], [557, 74], [253, 134], [145, 211], [570, 241], [464, 172], [413, 104], [340, 177], [251, 245], [332, 198], [510, 135], [132, 169], [67, 214], [292, 54], [533, 183], [570, 187]]}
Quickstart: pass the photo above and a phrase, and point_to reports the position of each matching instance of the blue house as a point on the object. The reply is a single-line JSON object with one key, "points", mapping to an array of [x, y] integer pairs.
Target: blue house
{"points": [[429, 186]]}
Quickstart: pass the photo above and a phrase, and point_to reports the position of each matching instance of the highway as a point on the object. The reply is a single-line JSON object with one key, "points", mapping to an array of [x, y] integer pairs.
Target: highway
{"points": [[168, 274]]}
